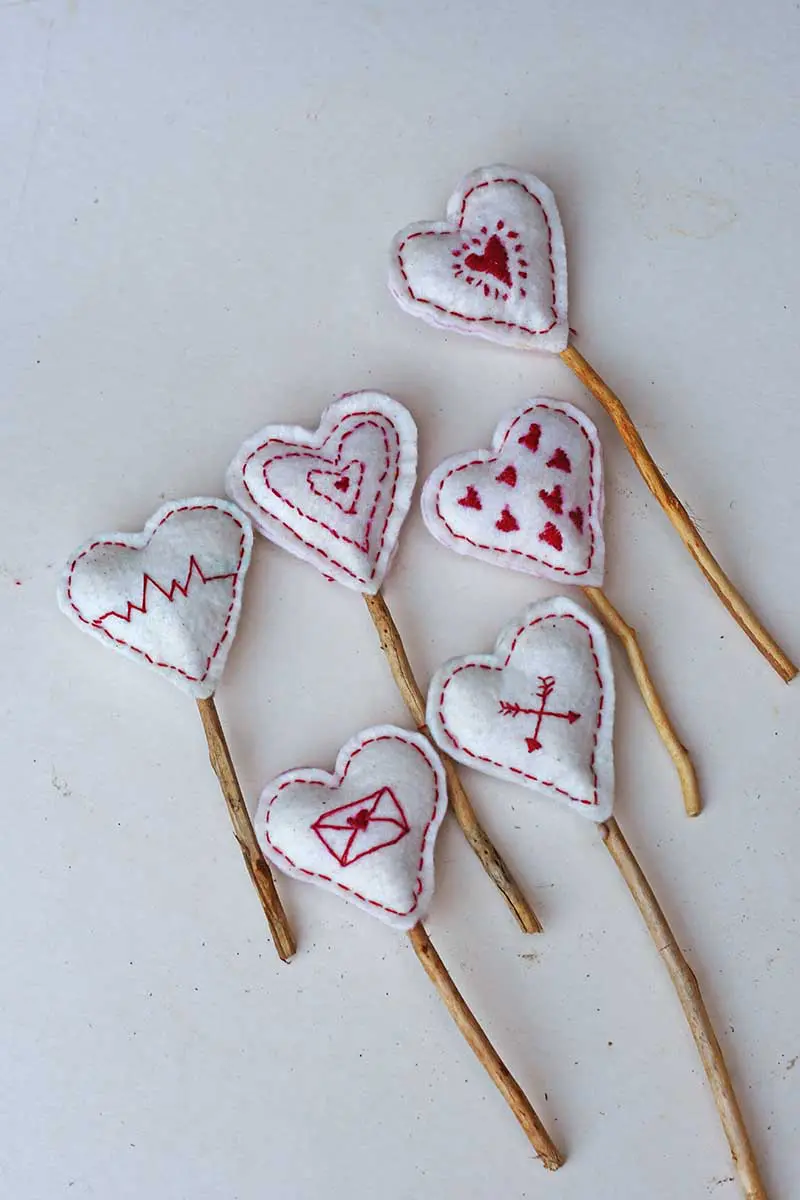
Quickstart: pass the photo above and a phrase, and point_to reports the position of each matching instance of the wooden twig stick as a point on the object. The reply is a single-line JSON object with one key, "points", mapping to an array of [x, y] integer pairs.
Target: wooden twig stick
{"points": [[460, 802], [484, 1051], [735, 604], [677, 751], [255, 862], [691, 999]]}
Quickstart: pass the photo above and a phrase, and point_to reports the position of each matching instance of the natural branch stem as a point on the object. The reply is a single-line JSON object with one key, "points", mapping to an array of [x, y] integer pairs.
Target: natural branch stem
{"points": [[460, 802], [685, 983], [255, 862], [677, 751], [483, 1049], [735, 604]]}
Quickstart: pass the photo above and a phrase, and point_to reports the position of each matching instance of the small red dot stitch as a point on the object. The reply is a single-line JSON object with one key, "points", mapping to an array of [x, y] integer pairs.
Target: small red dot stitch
{"points": [[576, 516], [480, 462], [531, 439], [507, 522], [548, 783], [552, 536], [327, 878]]}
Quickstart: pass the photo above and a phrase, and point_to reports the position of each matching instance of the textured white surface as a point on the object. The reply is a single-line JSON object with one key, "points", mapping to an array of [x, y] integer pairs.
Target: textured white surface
{"points": [[196, 205]]}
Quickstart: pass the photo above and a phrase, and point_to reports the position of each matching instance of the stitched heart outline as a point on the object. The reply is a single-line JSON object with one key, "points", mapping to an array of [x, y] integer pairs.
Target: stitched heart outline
{"points": [[170, 596], [463, 496], [496, 268], [308, 822], [538, 710], [276, 473]]}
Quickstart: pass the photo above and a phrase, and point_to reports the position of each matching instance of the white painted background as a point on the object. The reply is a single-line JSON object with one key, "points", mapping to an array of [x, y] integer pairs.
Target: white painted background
{"points": [[195, 201]]}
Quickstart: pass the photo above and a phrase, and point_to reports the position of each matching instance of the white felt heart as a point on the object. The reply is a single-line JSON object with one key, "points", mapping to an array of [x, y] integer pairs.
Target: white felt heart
{"points": [[534, 502], [368, 831], [337, 496], [170, 596], [538, 711], [497, 267]]}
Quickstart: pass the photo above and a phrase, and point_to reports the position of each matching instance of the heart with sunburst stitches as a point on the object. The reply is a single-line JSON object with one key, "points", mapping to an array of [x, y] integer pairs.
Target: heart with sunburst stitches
{"points": [[497, 267]]}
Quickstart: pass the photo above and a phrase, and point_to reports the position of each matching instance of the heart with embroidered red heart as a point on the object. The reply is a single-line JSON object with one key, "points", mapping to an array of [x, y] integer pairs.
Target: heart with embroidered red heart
{"points": [[366, 832], [336, 496], [497, 267], [170, 596], [533, 502], [538, 711]]}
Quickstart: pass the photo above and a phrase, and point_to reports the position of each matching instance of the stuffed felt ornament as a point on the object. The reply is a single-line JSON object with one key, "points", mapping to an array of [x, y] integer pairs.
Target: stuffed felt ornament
{"points": [[534, 503], [497, 268], [169, 597], [367, 833], [539, 711], [337, 497]]}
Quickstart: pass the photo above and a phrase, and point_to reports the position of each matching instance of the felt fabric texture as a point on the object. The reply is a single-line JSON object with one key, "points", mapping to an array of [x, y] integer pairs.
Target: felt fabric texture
{"points": [[336, 496], [169, 596], [367, 832], [538, 711], [497, 267], [534, 502]]}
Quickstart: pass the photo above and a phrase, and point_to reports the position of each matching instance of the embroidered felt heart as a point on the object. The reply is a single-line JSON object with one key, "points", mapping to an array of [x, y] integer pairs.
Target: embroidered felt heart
{"points": [[169, 596], [516, 505], [497, 267], [368, 831], [337, 496], [538, 711]]}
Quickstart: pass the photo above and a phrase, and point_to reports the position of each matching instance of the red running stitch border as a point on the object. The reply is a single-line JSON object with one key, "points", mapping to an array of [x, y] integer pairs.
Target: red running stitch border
{"points": [[127, 546], [354, 462], [477, 462], [450, 312], [310, 450], [548, 783], [384, 737]]}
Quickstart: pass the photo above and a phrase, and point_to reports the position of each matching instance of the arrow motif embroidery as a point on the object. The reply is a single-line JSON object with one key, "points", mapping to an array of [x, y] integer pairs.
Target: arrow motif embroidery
{"points": [[544, 691]]}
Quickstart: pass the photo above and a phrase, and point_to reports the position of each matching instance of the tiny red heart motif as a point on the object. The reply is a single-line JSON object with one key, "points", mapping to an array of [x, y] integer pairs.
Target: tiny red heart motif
{"points": [[576, 516], [342, 485], [531, 438], [508, 476], [507, 522], [553, 499], [560, 462], [552, 536], [471, 499], [493, 261]]}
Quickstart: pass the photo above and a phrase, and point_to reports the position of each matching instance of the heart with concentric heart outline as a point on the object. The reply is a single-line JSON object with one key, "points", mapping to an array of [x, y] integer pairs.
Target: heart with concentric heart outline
{"points": [[538, 711], [366, 832], [336, 496], [169, 596], [497, 267]]}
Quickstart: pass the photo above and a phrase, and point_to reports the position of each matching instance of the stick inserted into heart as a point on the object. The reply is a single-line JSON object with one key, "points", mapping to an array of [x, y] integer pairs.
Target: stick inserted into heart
{"points": [[170, 598], [539, 711], [534, 503], [497, 268], [337, 498], [367, 833]]}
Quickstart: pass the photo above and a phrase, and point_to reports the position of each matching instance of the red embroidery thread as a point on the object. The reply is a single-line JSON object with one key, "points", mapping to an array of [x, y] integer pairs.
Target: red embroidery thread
{"points": [[576, 516], [553, 499], [552, 536], [531, 438], [544, 691], [370, 418], [508, 476], [357, 817], [341, 484], [318, 783], [547, 783], [148, 582], [493, 260], [507, 522], [471, 499], [479, 462], [490, 320], [560, 462], [127, 546]]}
